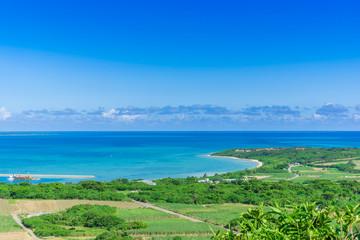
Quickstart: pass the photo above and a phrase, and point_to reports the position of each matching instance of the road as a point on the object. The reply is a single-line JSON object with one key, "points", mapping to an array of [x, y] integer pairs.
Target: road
{"points": [[147, 205], [17, 219], [296, 175]]}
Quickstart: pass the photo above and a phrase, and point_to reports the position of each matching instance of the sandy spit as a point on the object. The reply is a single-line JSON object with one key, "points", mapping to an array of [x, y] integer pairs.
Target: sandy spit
{"points": [[252, 160]]}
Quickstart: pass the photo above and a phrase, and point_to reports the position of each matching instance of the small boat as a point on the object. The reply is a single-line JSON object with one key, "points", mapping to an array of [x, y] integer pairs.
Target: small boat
{"points": [[24, 177], [11, 178]]}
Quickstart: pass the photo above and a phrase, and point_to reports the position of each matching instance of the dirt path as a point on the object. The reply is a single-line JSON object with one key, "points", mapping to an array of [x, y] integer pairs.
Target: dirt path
{"points": [[148, 205], [168, 211], [296, 175], [16, 218]]}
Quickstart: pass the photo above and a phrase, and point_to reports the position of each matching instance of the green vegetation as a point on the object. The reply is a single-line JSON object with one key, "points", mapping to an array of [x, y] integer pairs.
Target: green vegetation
{"points": [[110, 223], [91, 190], [81, 220], [289, 175], [175, 226], [140, 214], [8, 224], [277, 160], [179, 237], [303, 221], [322, 173], [252, 192], [219, 214], [160, 223]]}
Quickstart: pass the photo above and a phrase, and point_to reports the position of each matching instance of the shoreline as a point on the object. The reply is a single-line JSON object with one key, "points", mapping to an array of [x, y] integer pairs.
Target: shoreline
{"points": [[251, 160]]}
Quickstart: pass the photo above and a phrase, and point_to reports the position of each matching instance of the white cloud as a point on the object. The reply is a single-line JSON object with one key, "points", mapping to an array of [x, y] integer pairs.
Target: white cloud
{"points": [[318, 116], [130, 118], [4, 114], [356, 117], [110, 114]]}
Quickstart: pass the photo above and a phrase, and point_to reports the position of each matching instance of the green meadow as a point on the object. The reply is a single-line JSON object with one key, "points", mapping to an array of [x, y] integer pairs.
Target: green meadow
{"points": [[8, 224], [219, 214]]}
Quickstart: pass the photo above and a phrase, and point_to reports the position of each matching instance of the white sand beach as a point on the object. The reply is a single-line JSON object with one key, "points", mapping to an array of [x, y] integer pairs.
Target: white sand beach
{"points": [[252, 160]]}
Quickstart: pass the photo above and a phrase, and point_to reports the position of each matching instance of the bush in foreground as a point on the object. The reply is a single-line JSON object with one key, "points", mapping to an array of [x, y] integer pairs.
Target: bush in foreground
{"points": [[303, 221]]}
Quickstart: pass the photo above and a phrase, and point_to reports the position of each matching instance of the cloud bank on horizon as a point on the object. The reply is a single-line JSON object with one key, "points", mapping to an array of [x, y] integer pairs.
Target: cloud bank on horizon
{"points": [[194, 117]]}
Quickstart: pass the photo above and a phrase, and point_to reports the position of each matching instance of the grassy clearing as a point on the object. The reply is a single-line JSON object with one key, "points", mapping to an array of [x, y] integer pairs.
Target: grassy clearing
{"points": [[8, 224], [174, 226], [140, 214], [219, 214]]}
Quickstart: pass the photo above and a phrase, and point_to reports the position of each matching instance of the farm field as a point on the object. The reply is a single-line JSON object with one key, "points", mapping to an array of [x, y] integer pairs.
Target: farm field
{"points": [[173, 227], [9, 229], [34, 206], [160, 225], [354, 160], [323, 173], [8, 224], [183, 237], [22, 235], [273, 176], [219, 214], [140, 214]]}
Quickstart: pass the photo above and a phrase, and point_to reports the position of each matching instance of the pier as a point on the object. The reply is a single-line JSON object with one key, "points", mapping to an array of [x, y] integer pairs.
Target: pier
{"points": [[49, 176]]}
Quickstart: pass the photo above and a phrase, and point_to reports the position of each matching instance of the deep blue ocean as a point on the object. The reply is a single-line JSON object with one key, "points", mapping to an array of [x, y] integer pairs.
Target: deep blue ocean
{"points": [[144, 155]]}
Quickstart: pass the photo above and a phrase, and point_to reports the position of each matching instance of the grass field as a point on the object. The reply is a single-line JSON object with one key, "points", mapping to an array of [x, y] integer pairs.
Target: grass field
{"points": [[174, 226], [8, 224], [219, 214], [160, 223]]}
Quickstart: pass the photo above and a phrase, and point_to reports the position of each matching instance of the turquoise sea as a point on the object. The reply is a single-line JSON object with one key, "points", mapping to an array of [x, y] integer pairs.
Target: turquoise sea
{"points": [[144, 155]]}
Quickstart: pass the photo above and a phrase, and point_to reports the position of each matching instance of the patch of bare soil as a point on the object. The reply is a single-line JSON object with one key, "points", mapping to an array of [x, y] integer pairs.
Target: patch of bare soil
{"points": [[318, 169], [5, 207], [15, 236], [259, 177]]}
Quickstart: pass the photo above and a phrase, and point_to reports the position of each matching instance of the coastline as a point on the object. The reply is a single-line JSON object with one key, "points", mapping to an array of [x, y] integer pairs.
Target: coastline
{"points": [[251, 160]]}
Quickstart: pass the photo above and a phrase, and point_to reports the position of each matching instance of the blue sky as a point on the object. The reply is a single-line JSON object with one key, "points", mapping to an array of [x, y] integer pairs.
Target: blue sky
{"points": [[179, 65]]}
